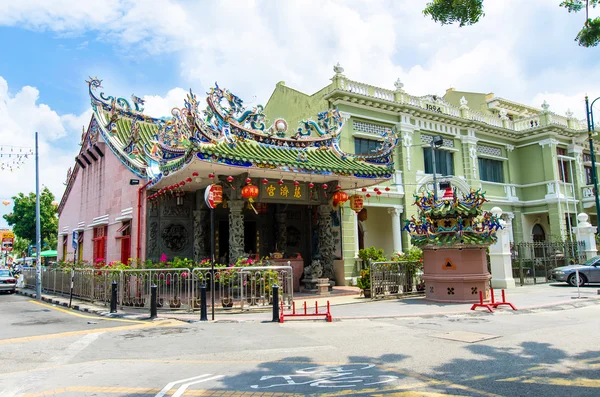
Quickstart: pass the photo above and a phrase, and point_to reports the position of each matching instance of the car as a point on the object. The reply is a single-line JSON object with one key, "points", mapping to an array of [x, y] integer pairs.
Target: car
{"points": [[7, 281], [589, 272]]}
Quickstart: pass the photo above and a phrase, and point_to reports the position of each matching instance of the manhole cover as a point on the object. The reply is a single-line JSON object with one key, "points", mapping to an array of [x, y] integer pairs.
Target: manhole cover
{"points": [[464, 336]]}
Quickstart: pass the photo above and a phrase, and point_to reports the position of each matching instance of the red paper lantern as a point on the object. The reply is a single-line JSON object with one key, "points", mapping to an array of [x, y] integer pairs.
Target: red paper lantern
{"points": [[387, 189], [211, 175], [230, 179], [181, 184], [194, 174], [325, 186], [368, 195], [376, 189], [265, 181], [338, 187], [311, 185], [250, 192], [248, 180], [339, 198], [296, 183], [280, 182], [378, 192], [188, 180], [356, 203], [364, 189]]}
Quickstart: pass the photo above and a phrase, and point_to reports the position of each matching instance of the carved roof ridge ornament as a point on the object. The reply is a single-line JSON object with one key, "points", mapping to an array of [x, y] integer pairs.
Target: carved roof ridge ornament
{"points": [[545, 106], [569, 113], [399, 85], [464, 103]]}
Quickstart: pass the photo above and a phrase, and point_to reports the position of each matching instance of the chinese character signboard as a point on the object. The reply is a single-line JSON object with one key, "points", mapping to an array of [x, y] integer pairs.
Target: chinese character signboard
{"points": [[288, 191], [213, 195]]}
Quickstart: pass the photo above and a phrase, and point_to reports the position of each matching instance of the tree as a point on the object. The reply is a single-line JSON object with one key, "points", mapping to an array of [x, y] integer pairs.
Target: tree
{"points": [[468, 12], [22, 219]]}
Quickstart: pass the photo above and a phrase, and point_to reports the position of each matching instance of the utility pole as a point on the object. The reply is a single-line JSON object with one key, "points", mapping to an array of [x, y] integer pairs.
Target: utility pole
{"points": [[590, 125], [38, 262]]}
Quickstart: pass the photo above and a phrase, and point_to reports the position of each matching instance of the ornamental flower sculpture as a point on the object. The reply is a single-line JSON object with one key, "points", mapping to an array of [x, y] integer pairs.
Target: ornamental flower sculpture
{"points": [[452, 221]]}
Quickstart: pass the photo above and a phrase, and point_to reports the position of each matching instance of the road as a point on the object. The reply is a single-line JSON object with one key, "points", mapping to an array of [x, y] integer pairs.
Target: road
{"points": [[48, 350]]}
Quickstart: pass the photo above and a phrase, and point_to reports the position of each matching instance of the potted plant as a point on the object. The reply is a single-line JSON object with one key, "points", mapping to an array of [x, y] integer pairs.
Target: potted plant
{"points": [[364, 282]]}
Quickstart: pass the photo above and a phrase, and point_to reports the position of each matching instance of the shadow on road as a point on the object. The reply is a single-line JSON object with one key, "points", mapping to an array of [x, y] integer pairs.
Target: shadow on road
{"points": [[531, 368]]}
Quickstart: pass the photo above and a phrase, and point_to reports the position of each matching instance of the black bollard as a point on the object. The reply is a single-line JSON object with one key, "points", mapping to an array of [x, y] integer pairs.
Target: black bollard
{"points": [[113, 298], [153, 301], [203, 311], [275, 303]]}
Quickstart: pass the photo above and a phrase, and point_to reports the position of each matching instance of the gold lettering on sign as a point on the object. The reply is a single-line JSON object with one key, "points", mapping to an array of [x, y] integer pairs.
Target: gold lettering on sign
{"points": [[271, 190], [297, 193], [284, 191]]}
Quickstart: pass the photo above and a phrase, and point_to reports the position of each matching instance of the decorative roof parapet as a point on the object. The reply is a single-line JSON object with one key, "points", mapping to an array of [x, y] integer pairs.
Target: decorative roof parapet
{"points": [[402, 98]]}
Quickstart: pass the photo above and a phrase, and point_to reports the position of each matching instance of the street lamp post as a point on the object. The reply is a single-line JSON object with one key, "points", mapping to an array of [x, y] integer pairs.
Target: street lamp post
{"points": [[590, 124], [436, 142]]}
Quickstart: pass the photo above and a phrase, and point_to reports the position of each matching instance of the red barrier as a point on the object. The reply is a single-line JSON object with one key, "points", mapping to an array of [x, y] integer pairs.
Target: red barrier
{"points": [[495, 304], [326, 314], [481, 304]]}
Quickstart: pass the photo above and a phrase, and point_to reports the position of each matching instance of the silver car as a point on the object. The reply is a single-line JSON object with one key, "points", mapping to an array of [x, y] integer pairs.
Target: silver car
{"points": [[7, 281], [589, 272]]}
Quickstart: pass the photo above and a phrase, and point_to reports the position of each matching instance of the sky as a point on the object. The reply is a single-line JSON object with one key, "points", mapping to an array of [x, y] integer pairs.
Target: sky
{"points": [[159, 49]]}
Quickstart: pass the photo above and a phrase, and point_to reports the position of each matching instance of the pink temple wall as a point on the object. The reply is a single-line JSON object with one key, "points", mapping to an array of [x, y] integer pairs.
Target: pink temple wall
{"points": [[100, 189]]}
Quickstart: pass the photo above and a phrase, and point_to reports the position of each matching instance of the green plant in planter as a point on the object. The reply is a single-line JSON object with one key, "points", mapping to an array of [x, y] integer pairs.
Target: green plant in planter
{"points": [[370, 255], [364, 281]]}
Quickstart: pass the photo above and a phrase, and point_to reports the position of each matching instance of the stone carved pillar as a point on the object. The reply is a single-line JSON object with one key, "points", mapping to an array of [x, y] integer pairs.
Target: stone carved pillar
{"points": [[395, 213], [236, 230], [281, 240], [200, 251], [326, 248]]}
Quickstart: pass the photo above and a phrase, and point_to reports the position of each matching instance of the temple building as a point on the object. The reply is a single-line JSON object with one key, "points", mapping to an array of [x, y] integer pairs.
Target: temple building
{"points": [[137, 189]]}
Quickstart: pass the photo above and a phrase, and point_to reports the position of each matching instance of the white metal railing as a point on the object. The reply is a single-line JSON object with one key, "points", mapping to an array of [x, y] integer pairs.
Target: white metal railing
{"points": [[244, 288]]}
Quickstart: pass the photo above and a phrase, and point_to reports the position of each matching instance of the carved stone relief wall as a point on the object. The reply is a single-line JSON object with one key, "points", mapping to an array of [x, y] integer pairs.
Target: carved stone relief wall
{"points": [[201, 220], [171, 229]]}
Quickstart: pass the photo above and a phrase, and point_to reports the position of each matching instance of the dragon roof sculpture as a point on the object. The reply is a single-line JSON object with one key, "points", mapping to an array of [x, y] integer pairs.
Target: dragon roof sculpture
{"points": [[226, 132]]}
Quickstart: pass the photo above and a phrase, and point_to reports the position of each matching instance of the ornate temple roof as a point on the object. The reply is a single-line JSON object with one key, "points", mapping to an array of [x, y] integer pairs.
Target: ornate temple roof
{"points": [[227, 133]]}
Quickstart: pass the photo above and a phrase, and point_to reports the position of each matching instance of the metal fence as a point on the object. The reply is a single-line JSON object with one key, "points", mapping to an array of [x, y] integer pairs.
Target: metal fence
{"points": [[395, 278], [532, 263], [242, 288]]}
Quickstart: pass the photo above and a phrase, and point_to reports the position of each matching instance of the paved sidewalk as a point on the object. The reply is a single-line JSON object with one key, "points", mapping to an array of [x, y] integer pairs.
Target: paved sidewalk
{"points": [[345, 306]]}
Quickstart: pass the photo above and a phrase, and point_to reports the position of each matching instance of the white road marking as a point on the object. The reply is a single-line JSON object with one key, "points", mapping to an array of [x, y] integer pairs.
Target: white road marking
{"points": [[184, 387], [170, 385], [74, 349]]}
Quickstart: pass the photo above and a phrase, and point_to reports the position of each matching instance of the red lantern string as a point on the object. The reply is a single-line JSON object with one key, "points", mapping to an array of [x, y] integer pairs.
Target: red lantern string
{"points": [[229, 180], [387, 189]]}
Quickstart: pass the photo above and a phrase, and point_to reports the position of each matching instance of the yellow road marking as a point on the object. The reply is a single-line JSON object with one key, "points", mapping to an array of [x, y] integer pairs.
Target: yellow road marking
{"points": [[433, 381], [74, 313], [83, 332], [577, 382]]}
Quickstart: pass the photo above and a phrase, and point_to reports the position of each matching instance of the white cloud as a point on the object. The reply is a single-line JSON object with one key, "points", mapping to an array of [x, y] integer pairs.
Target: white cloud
{"points": [[517, 50], [20, 117], [157, 106]]}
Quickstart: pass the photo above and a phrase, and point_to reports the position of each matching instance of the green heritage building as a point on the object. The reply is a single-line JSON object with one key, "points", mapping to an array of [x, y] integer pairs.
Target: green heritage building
{"points": [[532, 163]]}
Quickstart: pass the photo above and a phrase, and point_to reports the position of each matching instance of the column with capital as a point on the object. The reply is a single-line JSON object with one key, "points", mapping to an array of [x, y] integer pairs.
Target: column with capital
{"points": [[236, 230], [395, 213]]}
